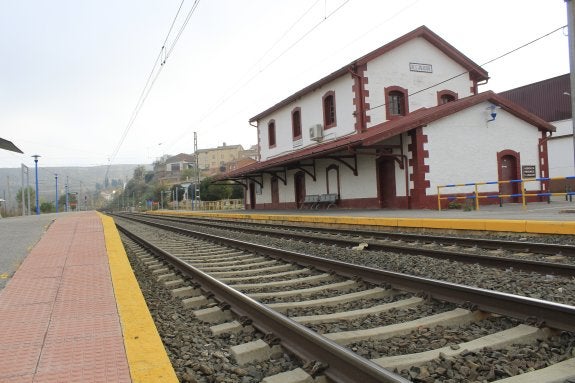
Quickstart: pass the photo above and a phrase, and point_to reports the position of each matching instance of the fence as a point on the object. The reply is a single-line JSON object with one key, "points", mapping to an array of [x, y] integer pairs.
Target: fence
{"points": [[226, 204], [524, 194]]}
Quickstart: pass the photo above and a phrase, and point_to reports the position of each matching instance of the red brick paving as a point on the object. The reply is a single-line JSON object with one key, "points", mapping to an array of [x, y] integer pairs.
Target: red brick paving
{"points": [[58, 315]]}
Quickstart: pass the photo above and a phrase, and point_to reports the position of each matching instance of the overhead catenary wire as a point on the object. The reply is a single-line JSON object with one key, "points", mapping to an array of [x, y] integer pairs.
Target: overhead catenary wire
{"points": [[226, 98], [188, 16], [152, 77], [259, 72]]}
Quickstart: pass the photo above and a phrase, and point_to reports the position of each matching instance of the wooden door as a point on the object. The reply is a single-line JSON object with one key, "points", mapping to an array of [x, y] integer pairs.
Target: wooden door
{"points": [[275, 193], [386, 183], [252, 195], [299, 185], [508, 171]]}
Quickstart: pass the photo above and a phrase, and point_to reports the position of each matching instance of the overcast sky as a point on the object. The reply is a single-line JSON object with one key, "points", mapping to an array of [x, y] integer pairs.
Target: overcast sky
{"points": [[72, 71]]}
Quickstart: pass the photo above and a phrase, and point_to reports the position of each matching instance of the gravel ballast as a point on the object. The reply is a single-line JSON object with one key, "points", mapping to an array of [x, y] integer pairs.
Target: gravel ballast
{"points": [[485, 365]]}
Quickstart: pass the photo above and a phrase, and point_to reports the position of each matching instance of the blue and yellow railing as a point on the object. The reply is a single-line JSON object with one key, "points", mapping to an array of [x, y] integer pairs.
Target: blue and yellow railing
{"points": [[524, 194]]}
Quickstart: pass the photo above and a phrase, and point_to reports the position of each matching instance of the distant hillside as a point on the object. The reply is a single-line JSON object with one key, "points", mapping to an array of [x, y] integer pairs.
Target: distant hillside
{"points": [[85, 180]]}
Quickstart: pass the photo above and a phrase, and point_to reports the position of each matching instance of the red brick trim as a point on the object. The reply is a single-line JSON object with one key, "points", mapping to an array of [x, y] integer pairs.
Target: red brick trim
{"points": [[419, 169], [359, 98], [543, 161], [543, 156]]}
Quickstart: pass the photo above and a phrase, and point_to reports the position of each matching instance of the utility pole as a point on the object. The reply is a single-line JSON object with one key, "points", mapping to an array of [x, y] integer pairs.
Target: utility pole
{"points": [[6, 204], [571, 39], [197, 191], [26, 207], [66, 188]]}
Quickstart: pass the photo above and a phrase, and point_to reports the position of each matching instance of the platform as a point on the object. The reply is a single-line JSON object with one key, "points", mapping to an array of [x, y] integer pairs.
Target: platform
{"points": [[557, 217], [73, 311]]}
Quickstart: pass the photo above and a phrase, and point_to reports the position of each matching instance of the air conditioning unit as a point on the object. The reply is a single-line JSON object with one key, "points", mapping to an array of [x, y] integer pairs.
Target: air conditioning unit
{"points": [[316, 132]]}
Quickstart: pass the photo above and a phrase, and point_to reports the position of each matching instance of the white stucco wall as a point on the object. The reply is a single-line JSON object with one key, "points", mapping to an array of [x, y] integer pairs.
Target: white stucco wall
{"points": [[560, 147], [463, 148], [311, 113], [266, 196], [563, 127], [364, 185], [561, 160], [392, 69]]}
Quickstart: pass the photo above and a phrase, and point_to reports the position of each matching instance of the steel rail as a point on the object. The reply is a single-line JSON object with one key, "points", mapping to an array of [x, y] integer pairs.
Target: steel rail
{"points": [[551, 314], [487, 243], [486, 260], [343, 365]]}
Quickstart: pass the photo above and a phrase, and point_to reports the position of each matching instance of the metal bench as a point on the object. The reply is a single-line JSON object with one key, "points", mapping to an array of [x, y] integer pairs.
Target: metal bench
{"points": [[327, 199], [310, 201]]}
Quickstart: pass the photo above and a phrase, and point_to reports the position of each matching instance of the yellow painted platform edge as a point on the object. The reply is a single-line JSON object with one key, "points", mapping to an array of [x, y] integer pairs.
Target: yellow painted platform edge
{"points": [[147, 357], [502, 225]]}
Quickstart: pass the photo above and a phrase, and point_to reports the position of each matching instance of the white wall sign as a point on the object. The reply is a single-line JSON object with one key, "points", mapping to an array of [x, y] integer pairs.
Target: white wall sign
{"points": [[418, 67]]}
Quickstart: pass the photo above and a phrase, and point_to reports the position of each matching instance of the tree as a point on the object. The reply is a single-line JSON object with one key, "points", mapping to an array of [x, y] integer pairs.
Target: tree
{"points": [[148, 177], [237, 191], [139, 172], [215, 192], [47, 207], [180, 192]]}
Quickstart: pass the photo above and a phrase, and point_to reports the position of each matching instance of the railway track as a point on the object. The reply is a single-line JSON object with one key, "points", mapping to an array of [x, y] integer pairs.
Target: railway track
{"points": [[540, 257], [458, 333]]}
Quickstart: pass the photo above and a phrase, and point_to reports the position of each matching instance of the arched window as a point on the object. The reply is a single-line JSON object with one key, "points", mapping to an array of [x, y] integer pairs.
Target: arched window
{"points": [[396, 99], [329, 110], [445, 96], [332, 179], [272, 133], [296, 123]]}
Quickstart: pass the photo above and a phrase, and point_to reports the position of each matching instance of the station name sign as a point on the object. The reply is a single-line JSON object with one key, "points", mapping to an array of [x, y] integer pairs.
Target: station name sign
{"points": [[419, 67]]}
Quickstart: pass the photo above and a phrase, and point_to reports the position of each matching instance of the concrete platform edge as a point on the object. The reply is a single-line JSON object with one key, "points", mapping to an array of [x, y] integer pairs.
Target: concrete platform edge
{"points": [[147, 357], [499, 225]]}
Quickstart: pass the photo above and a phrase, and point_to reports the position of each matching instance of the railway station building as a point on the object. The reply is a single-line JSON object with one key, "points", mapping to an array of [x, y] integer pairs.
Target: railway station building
{"points": [[388, 128]]}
